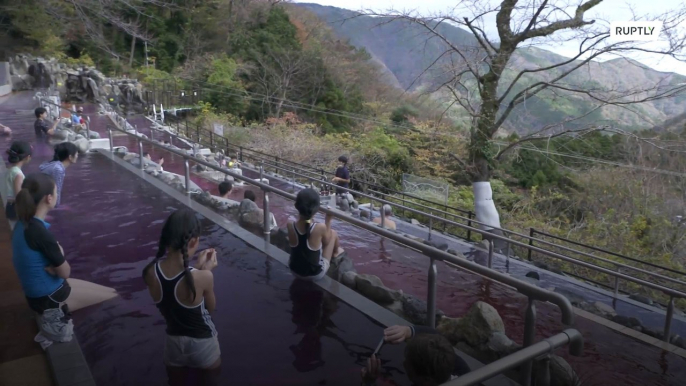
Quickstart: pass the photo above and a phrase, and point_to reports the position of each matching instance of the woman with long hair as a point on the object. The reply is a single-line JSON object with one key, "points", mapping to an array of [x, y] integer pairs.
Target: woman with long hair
{"points": [[185, 297], [18, 155], [39, 259]]}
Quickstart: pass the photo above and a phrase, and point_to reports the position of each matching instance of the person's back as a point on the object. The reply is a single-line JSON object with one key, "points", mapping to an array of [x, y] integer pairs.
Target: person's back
{"points": [[185, 295], [66, 153], [312, 245]]}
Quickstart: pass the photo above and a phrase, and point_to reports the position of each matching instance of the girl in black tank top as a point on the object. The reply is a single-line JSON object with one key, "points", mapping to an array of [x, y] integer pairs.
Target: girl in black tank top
{"points": [[312, 247], [185, 295]]}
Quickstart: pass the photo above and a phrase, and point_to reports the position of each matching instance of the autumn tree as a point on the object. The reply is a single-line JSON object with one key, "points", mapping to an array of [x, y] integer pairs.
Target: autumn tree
{"points": [[484, 83]]}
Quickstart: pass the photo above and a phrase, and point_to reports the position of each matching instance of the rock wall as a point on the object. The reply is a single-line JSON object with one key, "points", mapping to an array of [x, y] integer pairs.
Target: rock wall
{"points": [[75, 84]]}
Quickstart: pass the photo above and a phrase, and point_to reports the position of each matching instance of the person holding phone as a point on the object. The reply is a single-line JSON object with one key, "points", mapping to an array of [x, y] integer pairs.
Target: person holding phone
{"points": [[185, 297], [430, 359]]}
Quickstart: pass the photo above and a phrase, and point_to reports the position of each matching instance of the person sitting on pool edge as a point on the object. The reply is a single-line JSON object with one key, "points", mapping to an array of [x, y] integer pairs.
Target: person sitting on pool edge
{"points": [[430, 359], [235, 166], [41, 126], [312, 245], [388, 213], [149, 161], [186, 299], [66, 154], [39, 259]]}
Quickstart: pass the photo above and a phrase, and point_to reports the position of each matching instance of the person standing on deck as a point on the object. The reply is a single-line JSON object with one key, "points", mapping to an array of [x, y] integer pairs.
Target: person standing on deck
{"points": [[39, 259], [185, 297], [41, 126], [66, 154], [342, 177], [18, 155]]}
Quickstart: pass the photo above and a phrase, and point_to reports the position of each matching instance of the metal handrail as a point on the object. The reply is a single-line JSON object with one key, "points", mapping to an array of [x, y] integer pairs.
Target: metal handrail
{"points": [[530, 247], [533, 293], [534, 231], [542, 348]]}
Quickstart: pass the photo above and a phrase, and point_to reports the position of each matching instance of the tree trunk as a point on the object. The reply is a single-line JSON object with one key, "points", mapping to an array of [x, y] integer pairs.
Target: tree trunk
{"points": [[482, 132]]}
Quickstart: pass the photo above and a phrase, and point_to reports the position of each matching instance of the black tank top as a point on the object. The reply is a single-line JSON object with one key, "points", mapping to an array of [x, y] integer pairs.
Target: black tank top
{"points": [[194, 322], [305, 261]]}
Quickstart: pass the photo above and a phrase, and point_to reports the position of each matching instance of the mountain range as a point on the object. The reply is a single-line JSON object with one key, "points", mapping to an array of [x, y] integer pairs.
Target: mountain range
{"points": [[405, 52]]}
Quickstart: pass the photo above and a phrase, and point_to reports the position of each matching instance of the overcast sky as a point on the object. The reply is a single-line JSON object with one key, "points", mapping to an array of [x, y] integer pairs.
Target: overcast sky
{"points": [[612, 10]]}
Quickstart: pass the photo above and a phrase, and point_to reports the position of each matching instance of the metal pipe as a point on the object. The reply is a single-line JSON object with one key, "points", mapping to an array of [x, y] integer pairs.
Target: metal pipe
{"points": [[261, 172], [109, 133], [140, 154], [668, 319], [617, 283], [431, 225], [529, 337], [88, 129], [531, 241], [431, 295], [569, 336], [267, 217], [187, 170], [383, 216], [490, 253]]}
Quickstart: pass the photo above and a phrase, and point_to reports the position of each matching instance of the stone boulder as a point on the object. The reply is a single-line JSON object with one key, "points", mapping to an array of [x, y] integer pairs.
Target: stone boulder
{"points": [[279, 238], [348, 279], [21, 82], [415, 310], [480, 323], [82, 144], [340, 265], [372, 287], [561, 373]]}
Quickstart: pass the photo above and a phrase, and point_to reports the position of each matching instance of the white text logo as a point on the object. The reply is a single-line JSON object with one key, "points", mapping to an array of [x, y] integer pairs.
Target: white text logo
{"points": [[635, 30]]}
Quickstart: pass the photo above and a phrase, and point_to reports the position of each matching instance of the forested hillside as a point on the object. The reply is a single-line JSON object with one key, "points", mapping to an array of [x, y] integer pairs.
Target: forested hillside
{"points": [[406, 50]]}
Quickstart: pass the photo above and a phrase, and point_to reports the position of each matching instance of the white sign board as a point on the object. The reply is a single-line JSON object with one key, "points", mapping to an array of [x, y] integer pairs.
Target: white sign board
{"points": [[218, 129]]}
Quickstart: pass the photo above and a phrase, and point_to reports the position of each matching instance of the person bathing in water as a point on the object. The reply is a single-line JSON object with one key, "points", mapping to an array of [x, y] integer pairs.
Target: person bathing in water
{"points": [[185, 297], [149, 161], [312, 245], [66, 154], [18, 155], [39, 259]]}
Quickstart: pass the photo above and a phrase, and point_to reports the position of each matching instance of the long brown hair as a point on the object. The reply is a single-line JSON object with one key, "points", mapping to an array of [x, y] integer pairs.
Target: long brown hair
{"points": [[34, 188]]}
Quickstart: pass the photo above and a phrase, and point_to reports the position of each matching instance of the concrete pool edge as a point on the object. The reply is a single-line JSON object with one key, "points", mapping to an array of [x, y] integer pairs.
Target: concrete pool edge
{"points": [[358, 302]]}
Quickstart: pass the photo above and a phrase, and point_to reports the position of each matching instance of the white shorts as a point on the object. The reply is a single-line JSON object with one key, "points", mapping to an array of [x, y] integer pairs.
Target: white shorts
{"points": [[184, 351], [325, 268]]}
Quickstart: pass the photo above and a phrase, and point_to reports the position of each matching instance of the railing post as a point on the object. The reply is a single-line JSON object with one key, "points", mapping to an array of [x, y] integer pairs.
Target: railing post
{"points": [[617, 282], [261, 172], [109, 133], [140, 153], [88, 129], [187, 170], [152, 133], [383, 215], [469, 224], [490, 253], [211, 140], [529, 337], [531, 241], [431, 295], [668, 319], [240, 153], [276, 167], [431, 224], [267, 217]]}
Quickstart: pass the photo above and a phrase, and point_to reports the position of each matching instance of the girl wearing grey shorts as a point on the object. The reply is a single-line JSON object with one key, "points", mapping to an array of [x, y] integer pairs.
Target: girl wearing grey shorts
{"points": [[185, 297]]}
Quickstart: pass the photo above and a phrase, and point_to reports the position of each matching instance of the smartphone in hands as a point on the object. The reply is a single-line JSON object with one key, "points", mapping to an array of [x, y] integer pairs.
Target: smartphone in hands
{"points": [[378, 348]]}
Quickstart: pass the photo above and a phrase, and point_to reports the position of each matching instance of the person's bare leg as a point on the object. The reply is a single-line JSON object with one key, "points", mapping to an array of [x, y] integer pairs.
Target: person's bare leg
{"points": [[332, 248], [211, 375], [176, 375], [84, 294]]}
